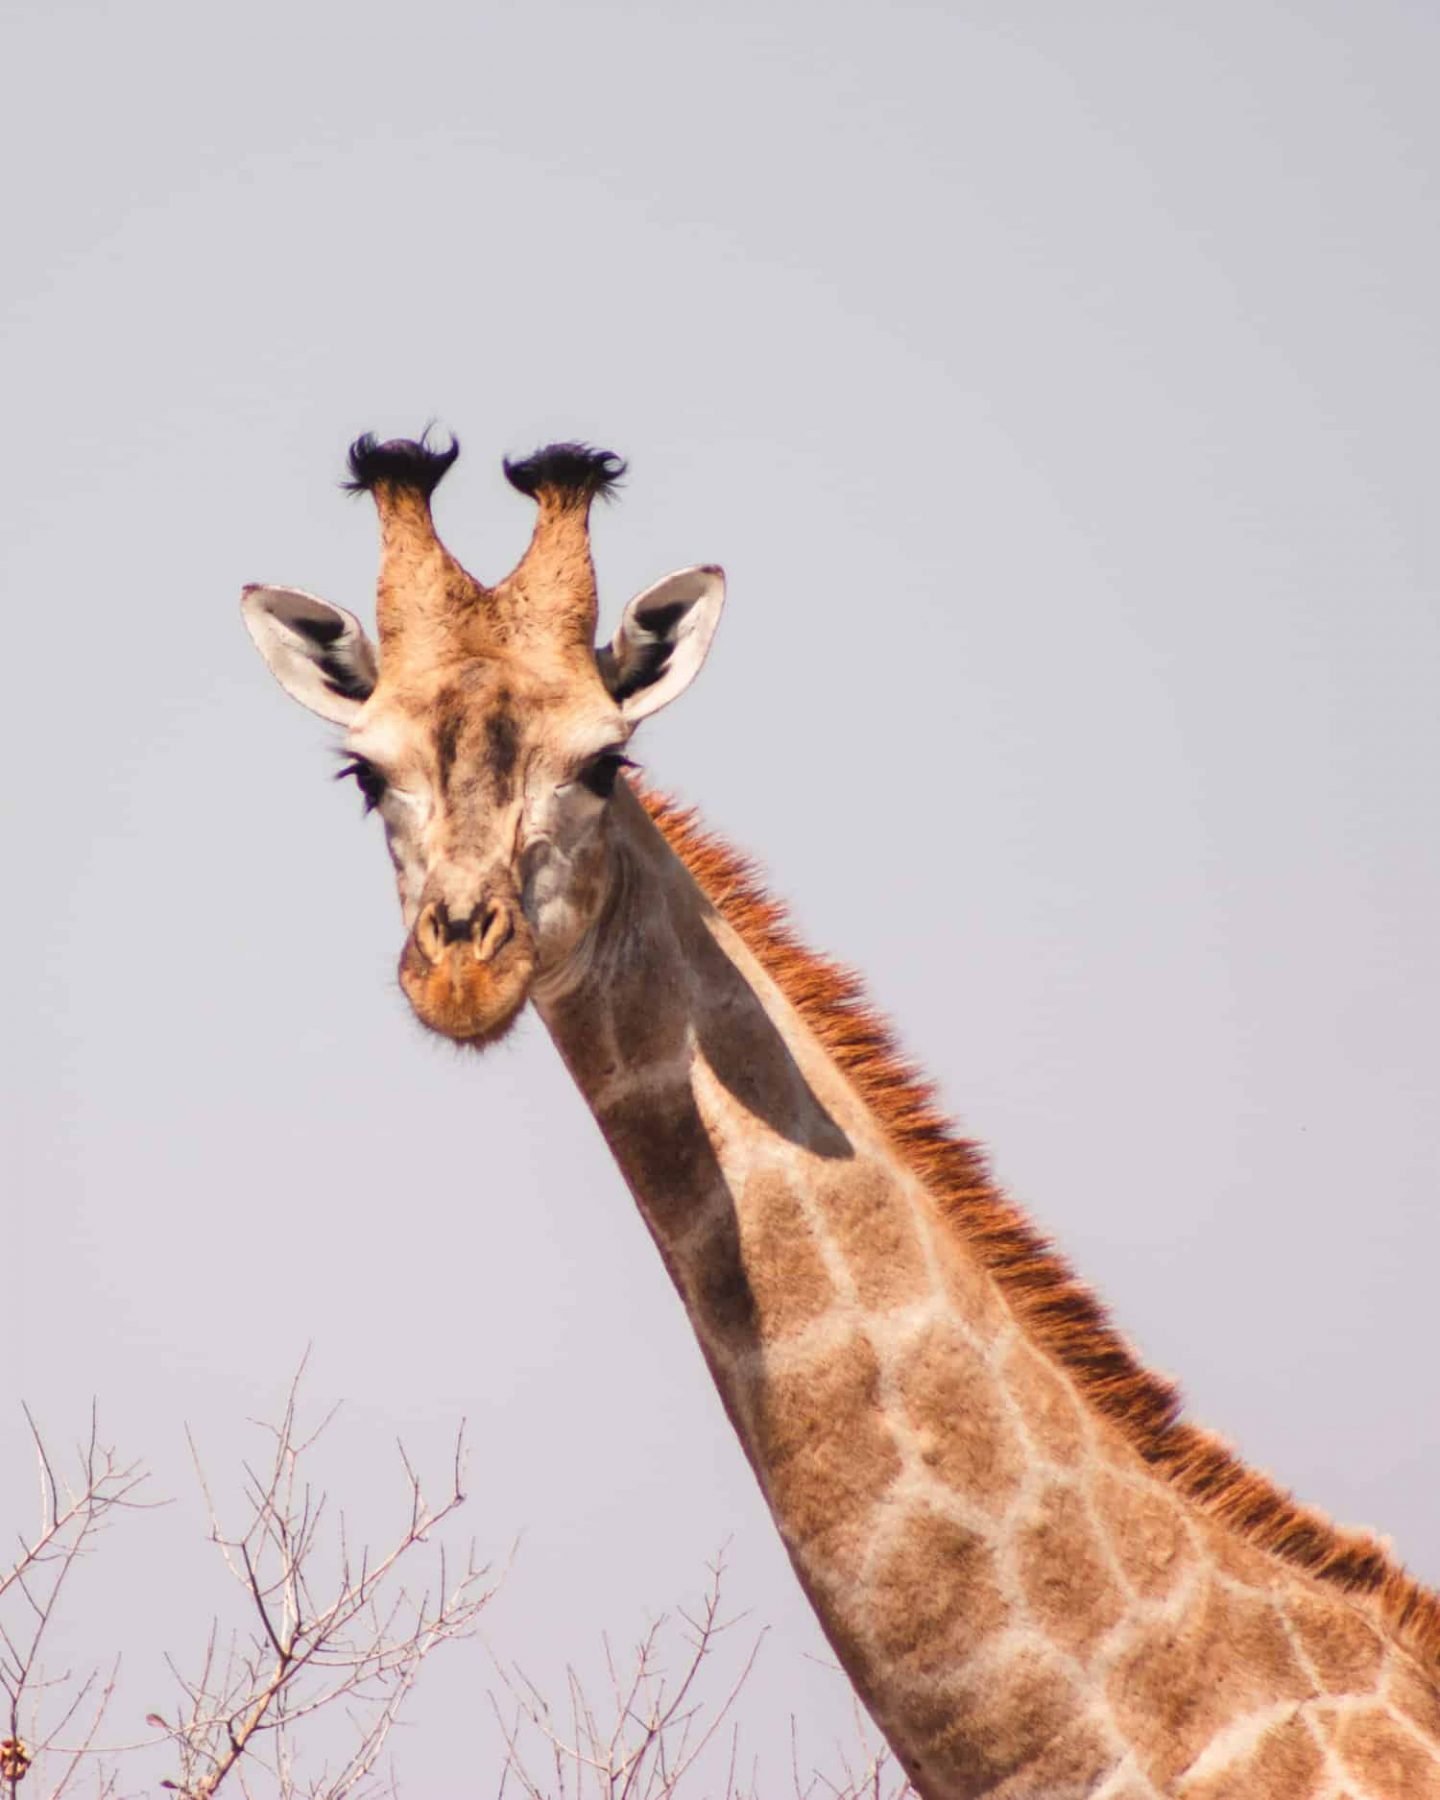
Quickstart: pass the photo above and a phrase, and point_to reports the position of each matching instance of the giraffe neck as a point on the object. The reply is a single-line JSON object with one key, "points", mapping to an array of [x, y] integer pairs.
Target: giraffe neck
{"points": [[1028, 1607]]}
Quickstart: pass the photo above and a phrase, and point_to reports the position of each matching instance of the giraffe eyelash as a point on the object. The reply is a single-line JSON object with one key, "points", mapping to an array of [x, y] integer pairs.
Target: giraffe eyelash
{"points": [[600, 774], [366, 777]]}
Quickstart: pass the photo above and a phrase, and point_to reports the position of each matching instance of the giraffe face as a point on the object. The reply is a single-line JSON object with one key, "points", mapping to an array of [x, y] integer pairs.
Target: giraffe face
{"points": [[491, 782], [485, 732]]}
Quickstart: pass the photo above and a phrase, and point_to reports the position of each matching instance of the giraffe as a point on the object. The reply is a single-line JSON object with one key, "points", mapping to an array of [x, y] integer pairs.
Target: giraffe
{"points": [[1044, 1582]]}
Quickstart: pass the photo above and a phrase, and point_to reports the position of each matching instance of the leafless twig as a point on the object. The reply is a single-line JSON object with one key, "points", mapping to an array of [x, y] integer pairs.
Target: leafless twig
{"points": [[873, 1774], [328, 1627], [653, 1730], [663, 1712], [52, 1717]]}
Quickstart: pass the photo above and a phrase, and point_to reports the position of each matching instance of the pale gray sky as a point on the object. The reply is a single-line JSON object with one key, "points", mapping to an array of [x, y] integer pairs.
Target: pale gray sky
{"points": [[1058, 386]]}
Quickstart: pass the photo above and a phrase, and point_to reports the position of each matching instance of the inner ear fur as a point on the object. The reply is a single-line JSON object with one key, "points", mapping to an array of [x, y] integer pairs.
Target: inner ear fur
{"points": [[663, 638], [319, 653]]}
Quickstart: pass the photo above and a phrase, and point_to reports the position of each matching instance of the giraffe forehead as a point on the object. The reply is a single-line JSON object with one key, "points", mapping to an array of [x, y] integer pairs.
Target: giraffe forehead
{"points": [[487, 718], [484, 739]]}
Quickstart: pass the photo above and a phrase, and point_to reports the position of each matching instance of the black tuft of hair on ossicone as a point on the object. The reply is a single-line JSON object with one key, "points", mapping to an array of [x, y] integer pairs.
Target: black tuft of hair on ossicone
{"points": [[403, 463], [574, 471]]}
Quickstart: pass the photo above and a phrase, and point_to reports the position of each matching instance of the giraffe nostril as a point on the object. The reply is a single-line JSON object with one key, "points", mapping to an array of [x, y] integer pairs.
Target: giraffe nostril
{"points": [[430, 932], [491, 930]]}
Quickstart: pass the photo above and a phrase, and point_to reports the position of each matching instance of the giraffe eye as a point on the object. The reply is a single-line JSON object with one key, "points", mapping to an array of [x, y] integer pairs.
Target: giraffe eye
{"points": [[367, 778], [600, 773]]}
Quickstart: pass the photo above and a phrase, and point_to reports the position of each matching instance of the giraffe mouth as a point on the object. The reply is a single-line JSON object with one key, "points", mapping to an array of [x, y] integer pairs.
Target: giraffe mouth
{"points": [[463, 989]]}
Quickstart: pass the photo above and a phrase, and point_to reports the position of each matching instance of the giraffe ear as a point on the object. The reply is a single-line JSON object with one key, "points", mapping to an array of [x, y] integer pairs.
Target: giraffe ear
{"points": [[663, 638], [319, 653]]}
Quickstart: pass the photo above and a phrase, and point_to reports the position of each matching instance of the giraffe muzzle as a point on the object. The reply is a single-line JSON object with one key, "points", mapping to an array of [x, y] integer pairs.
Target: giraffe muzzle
{"points": [[468, 975]]}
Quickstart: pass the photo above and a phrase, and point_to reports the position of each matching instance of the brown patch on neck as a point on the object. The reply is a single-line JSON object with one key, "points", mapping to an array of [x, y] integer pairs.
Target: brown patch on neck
{"points": [[1060, 1314]]}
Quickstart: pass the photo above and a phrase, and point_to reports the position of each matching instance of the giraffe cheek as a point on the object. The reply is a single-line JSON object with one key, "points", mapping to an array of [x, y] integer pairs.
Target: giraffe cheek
{"points": [[464, 998]]}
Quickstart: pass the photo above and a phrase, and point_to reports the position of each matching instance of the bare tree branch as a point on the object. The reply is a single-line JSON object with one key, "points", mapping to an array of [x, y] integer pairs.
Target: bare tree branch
{"points": [[41, 1708], [656, 1727], [327, 1627], [357, 1642]]}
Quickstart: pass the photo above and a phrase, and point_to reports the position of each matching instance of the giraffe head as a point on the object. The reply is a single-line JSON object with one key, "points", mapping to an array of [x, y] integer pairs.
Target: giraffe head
{"points": [[487, 729]]}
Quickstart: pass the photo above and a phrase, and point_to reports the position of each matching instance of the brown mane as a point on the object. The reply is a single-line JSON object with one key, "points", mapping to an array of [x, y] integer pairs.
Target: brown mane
{"points": [[1061, 1313]]}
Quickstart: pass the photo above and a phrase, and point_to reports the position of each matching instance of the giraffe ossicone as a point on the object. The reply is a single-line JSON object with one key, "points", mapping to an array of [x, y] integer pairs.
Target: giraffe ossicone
{"points": [[1045, 1583]]}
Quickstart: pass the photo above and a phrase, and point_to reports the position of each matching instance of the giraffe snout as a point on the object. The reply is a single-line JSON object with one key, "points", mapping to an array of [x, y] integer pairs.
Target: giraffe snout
{"points": [[466, 969]]}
